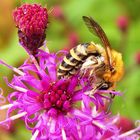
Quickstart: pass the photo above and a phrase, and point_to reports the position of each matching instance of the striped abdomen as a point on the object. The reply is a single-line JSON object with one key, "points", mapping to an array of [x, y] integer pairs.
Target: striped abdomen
{"points": [[73, 61]]}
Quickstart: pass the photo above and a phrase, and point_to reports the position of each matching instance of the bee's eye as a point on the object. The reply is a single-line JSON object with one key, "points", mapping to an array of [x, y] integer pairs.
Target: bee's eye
{"points": [[104, 86]]}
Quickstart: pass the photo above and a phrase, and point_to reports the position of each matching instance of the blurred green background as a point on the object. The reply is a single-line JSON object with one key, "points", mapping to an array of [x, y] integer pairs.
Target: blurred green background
{"points": [[119, 18]]}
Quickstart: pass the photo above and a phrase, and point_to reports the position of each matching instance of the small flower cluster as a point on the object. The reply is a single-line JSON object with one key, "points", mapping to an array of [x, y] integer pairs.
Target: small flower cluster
{"points": [[31, 21], [123, 23], [53, 108]]}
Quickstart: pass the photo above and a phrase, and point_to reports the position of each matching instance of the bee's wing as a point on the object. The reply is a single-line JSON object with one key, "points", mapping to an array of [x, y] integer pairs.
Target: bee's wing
{"points": [[90, 23], [96, 29]]}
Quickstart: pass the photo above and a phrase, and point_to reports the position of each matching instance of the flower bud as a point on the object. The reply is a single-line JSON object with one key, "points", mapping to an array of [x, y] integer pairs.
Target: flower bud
{"points": [[58, 12], [122, 23], [125, 124], [137, 58], [31, 21]]}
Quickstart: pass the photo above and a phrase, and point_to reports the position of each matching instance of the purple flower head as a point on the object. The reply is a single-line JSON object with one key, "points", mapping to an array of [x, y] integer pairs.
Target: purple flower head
{"points": [[31, 21], [55, 108], [123, 23], [58, 12]]}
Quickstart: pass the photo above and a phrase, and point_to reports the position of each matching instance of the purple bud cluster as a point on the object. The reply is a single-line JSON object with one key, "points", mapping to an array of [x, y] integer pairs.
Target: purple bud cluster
{"points": [[31, 21]]}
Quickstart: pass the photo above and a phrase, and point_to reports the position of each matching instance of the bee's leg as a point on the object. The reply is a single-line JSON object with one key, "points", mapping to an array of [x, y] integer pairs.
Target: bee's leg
{"points": [[96, 87], [112, 96], [91, 75], [91, 72], [82, 73]]}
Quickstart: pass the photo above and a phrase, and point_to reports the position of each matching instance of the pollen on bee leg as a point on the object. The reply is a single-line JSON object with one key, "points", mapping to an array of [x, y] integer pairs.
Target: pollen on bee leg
{"points": [[63, 134], [13, 117], [35, 135]]}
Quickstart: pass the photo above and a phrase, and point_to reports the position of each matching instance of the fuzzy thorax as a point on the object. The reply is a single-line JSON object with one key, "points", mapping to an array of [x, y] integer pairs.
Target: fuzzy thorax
{"points": [[117, 64]]}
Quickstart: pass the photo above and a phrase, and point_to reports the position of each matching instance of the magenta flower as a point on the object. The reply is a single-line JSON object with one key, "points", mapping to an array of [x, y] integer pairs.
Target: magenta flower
{"points": [[55, 108], [31, 21], [137, 58], [123, 23], [58, 12]]}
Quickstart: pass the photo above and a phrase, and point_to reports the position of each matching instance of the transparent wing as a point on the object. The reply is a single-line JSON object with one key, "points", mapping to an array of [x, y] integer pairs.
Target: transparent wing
{"points": [[97, 30]]}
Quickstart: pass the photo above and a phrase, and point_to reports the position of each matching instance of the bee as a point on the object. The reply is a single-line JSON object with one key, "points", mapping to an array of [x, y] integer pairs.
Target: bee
{"points": [[104, 63]]}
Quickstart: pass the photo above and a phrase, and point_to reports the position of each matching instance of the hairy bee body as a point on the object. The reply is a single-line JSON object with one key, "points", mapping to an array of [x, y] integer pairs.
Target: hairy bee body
{"points": [[102, 66], [77, 57], [104, 63]]}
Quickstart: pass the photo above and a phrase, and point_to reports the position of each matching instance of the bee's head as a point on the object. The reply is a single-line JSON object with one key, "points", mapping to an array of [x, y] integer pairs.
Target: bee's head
{"points": [[115, 73]]}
